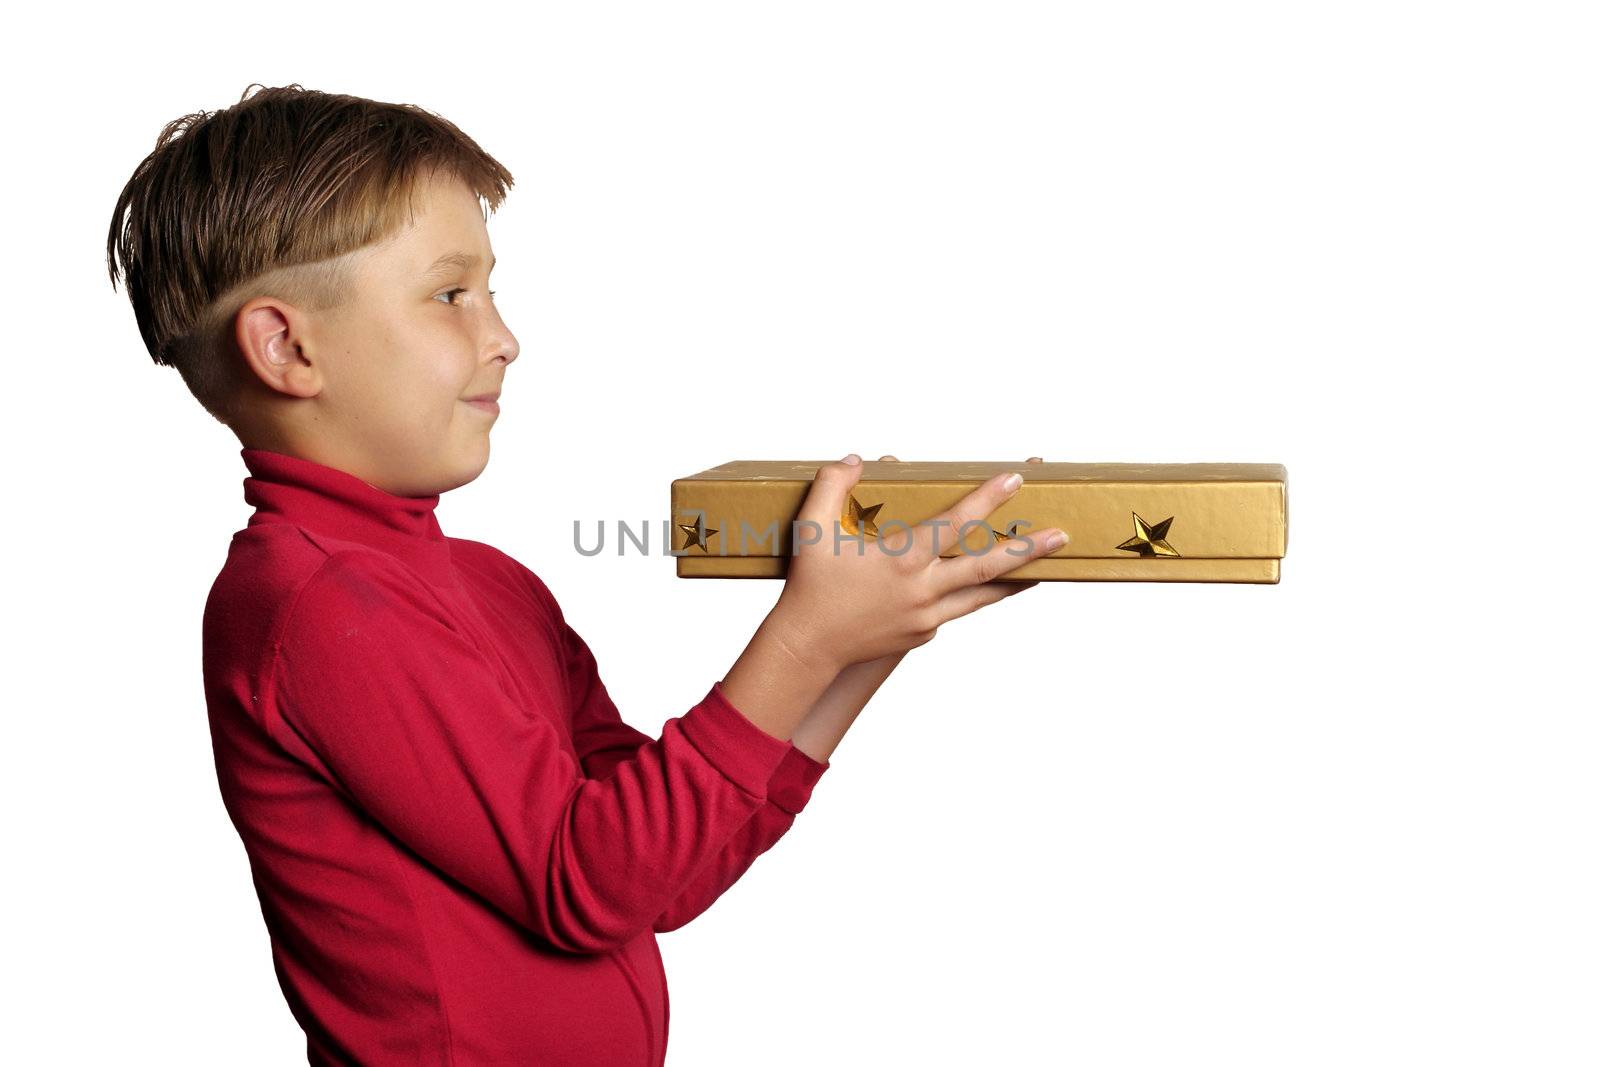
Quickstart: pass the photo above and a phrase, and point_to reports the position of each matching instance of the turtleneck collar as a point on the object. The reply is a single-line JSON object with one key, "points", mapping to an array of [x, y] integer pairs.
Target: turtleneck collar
{"points": [[325, 500]]}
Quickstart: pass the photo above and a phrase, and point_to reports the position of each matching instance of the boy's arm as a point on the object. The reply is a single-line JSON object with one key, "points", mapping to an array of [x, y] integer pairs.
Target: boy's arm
{"points": [[832, 716], [603, 740], [787, 794], [814, 739], [374, 689]]}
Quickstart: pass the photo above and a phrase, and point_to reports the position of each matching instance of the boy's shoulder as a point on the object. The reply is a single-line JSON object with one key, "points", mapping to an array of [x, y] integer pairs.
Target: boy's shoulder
{"points": [[283, 584], [269, 565], [487, 559], [267, 569]]}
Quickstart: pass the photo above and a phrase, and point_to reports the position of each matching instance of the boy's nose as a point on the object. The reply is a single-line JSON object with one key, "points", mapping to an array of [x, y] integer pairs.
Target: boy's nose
{"points": [[505, 347]]}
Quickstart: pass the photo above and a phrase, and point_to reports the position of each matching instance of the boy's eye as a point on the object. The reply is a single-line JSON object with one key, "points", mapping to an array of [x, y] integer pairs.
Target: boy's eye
{"points": [[448, 294]]}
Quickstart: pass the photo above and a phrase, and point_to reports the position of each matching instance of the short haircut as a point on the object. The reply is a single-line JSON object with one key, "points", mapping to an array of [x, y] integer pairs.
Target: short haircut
{"points": [[264, 198]]}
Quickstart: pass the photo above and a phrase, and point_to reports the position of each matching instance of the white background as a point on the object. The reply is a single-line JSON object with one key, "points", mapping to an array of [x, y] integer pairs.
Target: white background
{"points": [[1350, 818]]}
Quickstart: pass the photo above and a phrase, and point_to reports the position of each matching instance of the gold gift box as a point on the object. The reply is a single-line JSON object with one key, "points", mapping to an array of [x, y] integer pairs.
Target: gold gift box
{"points": [[1126, 522]]}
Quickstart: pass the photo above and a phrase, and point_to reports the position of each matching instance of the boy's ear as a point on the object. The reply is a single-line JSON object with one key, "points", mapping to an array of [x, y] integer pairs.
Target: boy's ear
{"points": [[269, 332]]}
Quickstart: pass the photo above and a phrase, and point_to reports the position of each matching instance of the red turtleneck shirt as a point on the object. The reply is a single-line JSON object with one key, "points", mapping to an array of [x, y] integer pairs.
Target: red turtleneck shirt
{"points": [[461, 851]]}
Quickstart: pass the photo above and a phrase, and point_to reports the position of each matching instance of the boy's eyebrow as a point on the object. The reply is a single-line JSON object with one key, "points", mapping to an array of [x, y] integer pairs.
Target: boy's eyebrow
{"points": [[456, 260]]}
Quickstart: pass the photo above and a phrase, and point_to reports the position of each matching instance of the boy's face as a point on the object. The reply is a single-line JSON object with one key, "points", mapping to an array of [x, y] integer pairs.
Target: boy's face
{"points": [[380, 385]]}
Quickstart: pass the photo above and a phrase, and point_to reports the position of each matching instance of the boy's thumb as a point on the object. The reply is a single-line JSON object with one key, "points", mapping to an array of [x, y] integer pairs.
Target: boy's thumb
{"points": [[824, 504]]}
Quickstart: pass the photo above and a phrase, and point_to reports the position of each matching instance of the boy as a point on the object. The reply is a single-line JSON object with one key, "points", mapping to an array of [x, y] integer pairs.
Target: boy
{"points": [[461, 852]]}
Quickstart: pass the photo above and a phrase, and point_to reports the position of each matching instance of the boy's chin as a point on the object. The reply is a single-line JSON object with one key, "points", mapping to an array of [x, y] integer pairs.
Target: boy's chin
{"points": [[472, 458]]}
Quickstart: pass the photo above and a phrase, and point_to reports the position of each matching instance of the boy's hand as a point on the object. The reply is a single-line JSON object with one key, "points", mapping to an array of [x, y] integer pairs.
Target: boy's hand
{"points": [[869, 674], [877, 599], [833, 715]]}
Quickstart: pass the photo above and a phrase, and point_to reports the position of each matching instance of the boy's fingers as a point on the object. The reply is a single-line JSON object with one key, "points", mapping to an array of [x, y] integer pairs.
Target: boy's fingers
{"points": [[979, 566], [970, 598], [824, 503], [830, 488], [967, 510], [976, 505]]}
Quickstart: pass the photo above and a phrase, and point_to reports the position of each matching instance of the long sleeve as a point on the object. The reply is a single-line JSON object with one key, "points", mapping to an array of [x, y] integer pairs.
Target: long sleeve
{"points": [[377, 690], [786, 797], [604, 742]]}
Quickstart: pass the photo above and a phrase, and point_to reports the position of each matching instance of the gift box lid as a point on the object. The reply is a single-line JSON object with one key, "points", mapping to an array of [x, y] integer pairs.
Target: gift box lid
{"points": [[1120, 511]]}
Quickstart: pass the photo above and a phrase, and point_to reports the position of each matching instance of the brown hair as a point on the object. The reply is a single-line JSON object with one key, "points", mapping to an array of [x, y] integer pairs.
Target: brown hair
{"points": [[263, 198]]}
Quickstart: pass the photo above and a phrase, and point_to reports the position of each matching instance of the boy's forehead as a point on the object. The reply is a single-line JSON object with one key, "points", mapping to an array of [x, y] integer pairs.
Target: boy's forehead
{"points": [[447, 233], [456, 261]]}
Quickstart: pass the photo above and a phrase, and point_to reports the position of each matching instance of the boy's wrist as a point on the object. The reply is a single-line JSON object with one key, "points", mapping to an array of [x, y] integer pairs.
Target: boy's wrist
{"points": [[777, 679], [790, 635]]}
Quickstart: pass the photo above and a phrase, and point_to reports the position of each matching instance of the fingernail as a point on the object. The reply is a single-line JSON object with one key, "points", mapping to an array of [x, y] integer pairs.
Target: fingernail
{"points": [[1055, 540], [852, 459], [1012, 481]]}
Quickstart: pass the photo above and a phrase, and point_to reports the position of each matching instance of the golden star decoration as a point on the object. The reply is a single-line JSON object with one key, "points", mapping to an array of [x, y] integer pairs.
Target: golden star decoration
{"points": [[1149, 540], [861, 518], [696, 534]]}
